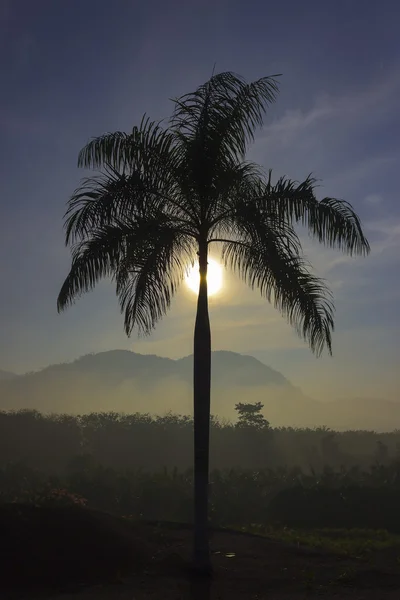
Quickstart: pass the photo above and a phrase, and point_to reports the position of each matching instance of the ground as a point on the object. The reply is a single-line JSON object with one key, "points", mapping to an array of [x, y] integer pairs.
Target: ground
{"points": [[130, 561]]}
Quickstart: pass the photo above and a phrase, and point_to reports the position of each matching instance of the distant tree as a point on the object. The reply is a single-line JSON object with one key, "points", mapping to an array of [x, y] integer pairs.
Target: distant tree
{"points": [[165, 195], [249, 415]]}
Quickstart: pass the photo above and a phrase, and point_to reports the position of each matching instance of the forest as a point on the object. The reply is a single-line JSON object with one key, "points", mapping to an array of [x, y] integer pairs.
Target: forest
{"points": [[140, 466]]}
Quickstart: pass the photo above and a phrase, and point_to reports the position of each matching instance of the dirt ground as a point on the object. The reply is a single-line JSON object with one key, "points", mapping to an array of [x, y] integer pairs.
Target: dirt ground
{"points": [[68, 554], [253, 568]]}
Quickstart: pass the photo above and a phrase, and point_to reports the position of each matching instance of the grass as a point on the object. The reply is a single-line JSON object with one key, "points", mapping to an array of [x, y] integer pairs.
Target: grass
{"points": [[356, 543]]}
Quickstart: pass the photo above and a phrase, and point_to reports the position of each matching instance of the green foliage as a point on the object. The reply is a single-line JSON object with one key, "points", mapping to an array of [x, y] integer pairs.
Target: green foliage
{"points": [[280, 497], [141, 441], [140, 465], [250, 415]]}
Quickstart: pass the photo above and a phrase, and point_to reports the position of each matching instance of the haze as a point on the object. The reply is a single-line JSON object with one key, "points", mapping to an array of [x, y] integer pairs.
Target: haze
{"points": [[74, 70]]}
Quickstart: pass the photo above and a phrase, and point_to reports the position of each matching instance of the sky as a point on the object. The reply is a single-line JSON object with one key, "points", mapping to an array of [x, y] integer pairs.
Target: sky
{"points": [[73, 70]]}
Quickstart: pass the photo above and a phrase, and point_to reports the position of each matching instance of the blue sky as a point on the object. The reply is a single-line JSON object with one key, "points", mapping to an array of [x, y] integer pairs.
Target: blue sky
{"points": [[72, 70]]}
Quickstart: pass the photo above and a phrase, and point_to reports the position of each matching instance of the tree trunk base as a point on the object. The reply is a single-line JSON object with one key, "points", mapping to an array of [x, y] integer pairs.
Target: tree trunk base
{"points": [[201, 570]]}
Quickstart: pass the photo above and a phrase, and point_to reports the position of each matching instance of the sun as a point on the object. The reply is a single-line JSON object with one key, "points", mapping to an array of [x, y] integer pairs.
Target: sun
{"points": [[214, 277]]}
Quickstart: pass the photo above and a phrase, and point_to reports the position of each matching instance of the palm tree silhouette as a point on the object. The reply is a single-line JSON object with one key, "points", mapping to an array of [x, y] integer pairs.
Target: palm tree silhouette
{"points": [[164, 194]]}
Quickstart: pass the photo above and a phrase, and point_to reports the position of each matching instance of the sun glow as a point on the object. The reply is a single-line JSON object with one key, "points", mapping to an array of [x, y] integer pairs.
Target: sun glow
{"points": [[214, 277]]}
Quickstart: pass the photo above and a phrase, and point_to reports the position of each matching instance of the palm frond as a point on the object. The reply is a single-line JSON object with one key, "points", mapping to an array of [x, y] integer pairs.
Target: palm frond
{"points": [[238, 184], [146, 290], [112, 197], [333, 222], [286, 281], [150, 158], [148, 145], [147, 259], [214, 125], [267, 254], [224, 112], [92, 260], [101, 200], [109, 148]]}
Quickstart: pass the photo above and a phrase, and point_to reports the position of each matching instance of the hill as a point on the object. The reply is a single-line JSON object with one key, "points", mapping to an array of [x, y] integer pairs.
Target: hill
{"points": [[231, 368], [124, 381]]}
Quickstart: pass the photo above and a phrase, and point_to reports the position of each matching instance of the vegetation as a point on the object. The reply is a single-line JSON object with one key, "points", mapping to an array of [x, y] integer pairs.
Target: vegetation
{"points": [[290, 498], [122, 485], [166, 195], [249, 415], [140, 465], [141, 441]]}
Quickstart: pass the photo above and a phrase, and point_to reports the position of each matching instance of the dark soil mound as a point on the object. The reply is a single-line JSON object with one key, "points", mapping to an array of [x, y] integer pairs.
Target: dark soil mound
{"points": [[63, 546]]}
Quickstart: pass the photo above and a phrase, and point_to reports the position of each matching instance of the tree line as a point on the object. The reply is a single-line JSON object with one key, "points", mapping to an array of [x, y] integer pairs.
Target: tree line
{"points": [[142, 441]]}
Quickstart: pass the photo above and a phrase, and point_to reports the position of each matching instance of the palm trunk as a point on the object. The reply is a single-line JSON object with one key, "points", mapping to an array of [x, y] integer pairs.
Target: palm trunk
{"points": [[202, 390]]}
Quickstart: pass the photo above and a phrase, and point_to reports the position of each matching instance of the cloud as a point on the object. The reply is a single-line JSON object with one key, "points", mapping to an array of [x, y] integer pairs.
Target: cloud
{"points": [[295, 122], [347, 107], [373, 199], [343, 139], [346, 273], [339, 138], [362, 170], [386, 234]]}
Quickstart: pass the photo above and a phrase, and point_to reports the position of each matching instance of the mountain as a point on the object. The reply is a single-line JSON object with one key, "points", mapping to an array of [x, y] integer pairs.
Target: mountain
{"points": [[230, 368], [117, 366], [125, 381]]}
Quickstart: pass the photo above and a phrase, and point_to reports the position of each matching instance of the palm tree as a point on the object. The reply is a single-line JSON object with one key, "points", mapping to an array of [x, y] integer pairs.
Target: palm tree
{"points": [[166, 193]]}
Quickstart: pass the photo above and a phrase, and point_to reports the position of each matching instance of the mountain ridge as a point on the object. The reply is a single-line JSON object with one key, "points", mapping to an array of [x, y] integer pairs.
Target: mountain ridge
{"points": [[180, 366], [126, 381]]}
